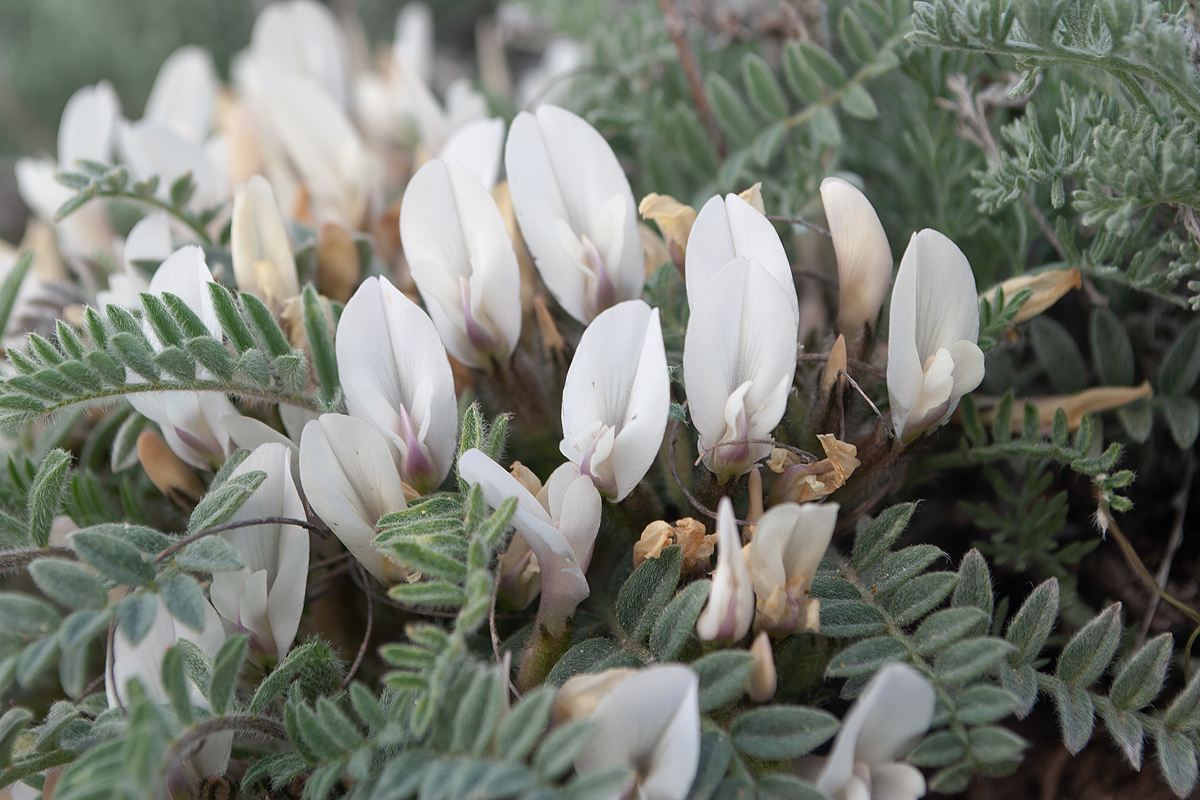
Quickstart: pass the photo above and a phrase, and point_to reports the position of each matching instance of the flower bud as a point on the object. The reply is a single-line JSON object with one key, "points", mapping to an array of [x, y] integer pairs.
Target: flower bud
{"points": [[674, 220], [262, 255], [760, 686], [1048, 287], [864, 257]]}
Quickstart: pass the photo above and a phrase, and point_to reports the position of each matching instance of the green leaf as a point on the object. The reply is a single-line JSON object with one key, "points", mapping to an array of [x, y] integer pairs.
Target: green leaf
{"points": [[1183, 419], [851, 619], [938, 749], [113, 558], [1112, 353], [185, 600], [320, 341], [857, 102], [210, 554], [1076, 715], [136, 614], [729, 110], [68, 583], [12, 285], [801, 79], [1141, 677], [995, 745], [432, 593], [983, 704], [212, 355], [914, 599], [762, 88], [647, 591], [11, 725], [425, 557], [523, 725], [970, 659], [876, 536], [161, 321], [715, 753], [560, 747], [1059, 356], [226, 667], [862, 659], [1031, 625], [902, 565], [974, 583], [829, 71], [1127, 731], [1181, 365], [181, 190], [221, 503], [781, 732], [1177, 761], [230, 318], [677, 623], [1184, 712], [35, 659], [943, 628], [269, 333], [723, 676], [786, 787], [1089, 651], [175, 682], [587, 656], [855, 36], [45, 495]]}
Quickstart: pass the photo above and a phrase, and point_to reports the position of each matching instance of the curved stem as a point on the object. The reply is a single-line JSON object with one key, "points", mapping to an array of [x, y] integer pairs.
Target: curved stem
{"points": [[179, 544]]}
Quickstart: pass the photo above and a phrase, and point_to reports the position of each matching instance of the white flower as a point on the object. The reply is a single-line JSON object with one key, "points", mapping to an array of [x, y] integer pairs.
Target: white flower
{"points": [[85, 131], [463, 263], [649, 723], [394, 372], [561, 533], [190, 421], [730, 606], [616, 398], [184, 94], [412, 45], [477, 145], [349, 478], [789, 542], [933, 358], [729, 228], [266, 596], [143, 661], [864, 257], [148, 241], [739, 358], [262, 255], [575, 210], [149, 148], [323, 146], [302, 37], [892, 713]]}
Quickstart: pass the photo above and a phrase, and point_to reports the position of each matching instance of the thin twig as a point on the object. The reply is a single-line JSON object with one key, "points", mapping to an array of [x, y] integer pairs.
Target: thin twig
{"points": [[12, 560], [261, 727], [806, 456], [870, 402], [329, 562], [691, 498], [812, 226], [179, 544], [677, 29], [110, 660], [804, 272], [1180, 502], [362, 648]]}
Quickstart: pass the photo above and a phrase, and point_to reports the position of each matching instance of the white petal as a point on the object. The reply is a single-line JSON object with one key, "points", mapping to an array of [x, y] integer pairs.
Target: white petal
{"points": [[897, 782], [86, 129], [477, 146], [302, 37], [413, 43], [350, 481], [947, 303], [561, 170], [40, 190], [789, 542], [190, 423], [563, 583], [741, 329], [185, 275], [410, 353], [905, 367], [578, 513], [148, 240], [649, 722], [730, 607], [151, 148], [452, 230], [864, 257], [183, 94], [619, 378], [729, 228], [257, 234], [894, 710]]}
